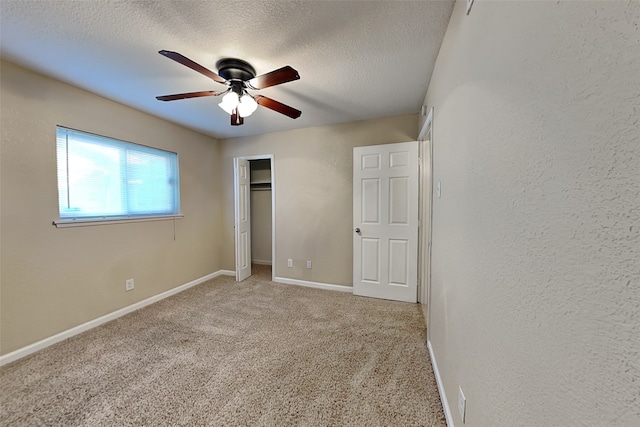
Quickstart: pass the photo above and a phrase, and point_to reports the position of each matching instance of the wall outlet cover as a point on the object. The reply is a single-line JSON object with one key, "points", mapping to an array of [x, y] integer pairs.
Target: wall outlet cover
{"points": [[289, 263], [129, 284]]}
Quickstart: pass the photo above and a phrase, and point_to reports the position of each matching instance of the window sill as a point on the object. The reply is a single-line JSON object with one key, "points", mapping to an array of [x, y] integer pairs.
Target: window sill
{"points": [[103, 221]]}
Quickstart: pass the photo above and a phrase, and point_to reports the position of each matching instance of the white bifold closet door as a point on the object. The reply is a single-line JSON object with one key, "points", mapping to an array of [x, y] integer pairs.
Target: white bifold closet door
{"points": [[242, 218]]}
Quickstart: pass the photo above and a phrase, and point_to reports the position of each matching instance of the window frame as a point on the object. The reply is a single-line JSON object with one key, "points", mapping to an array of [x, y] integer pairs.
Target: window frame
{"points": [[81, 221]]}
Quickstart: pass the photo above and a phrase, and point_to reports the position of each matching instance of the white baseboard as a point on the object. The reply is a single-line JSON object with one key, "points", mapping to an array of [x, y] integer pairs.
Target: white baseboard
{"points": [[32, 348], [260, 262], [224, 273], [443, 396], [318, 285]]}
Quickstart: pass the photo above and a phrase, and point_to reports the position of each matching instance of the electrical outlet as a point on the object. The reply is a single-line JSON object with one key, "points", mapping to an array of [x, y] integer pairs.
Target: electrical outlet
{"points": [[462, 404], [439, 189], [309, 264], [289, 263], [129, 285]]}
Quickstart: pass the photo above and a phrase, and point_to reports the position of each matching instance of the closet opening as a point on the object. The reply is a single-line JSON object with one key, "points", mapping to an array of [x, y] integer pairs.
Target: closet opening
{"points": [[261, 221], [254, 194]]}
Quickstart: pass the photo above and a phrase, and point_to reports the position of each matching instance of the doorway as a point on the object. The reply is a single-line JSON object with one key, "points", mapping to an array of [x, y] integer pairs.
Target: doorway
{"points": [[254, 197]]}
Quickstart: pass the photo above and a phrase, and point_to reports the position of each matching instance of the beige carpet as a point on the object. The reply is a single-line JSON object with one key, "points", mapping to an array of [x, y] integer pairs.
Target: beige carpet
{"points": [[225, 354]]}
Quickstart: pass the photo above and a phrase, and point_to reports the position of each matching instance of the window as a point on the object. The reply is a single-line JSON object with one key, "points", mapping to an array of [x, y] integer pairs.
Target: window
{"points": [[101, 178]]}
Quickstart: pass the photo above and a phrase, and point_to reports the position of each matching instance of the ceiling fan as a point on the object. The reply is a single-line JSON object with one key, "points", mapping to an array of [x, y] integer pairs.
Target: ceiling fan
{"points": [[238, 76]]}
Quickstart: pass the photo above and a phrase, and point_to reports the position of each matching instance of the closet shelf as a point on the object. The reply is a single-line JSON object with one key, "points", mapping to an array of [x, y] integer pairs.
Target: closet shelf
{"points": [[260, 182], [261, 186]]}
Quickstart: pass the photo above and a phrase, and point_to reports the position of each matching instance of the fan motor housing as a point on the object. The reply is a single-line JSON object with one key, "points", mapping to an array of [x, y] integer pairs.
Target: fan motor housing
{"points": [[235, 69]]}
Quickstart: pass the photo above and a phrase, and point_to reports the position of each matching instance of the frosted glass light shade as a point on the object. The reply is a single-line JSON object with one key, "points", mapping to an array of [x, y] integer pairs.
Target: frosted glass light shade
{"points": [[229, 102], [247, 106]]}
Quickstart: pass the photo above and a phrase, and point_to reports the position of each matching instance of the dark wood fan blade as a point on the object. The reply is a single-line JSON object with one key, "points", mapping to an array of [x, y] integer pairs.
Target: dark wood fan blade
{"points": [[194, 66], [187, 95], [236, 119], [278, 106], [279, 76]]}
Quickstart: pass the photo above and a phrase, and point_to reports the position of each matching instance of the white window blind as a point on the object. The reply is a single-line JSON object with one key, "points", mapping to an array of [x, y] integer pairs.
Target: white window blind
{"points": [[104, 178]]}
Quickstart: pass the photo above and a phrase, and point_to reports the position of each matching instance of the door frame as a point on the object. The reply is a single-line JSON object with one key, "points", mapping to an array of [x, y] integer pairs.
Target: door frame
{"points": [[426, 217], [272, 162]]}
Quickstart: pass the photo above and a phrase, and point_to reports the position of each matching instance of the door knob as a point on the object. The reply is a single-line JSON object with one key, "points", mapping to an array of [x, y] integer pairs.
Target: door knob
{"points": [[358, 230]]}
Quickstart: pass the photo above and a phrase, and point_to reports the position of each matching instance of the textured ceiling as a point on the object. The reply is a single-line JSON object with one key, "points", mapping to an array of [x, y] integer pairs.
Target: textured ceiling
{"points": [[357, 59]]}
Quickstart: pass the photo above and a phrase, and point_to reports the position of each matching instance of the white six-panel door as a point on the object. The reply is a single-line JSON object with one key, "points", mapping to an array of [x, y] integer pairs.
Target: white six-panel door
{"points": [[385, 221], [242, 218]]}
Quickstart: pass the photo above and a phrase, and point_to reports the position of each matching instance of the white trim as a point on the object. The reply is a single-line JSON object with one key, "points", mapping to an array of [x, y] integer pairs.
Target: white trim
{"points": [[261, 262], [220, 273], [425, 125], [32, 348], [64, 223], [257, 157], [317, 285], [443, 396], [272, 165], [427, 217]]}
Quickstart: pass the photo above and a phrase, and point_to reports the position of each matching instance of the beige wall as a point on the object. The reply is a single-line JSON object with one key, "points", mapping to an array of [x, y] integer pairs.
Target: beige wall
{"points": [[313, 187], [261, 226], [54, 279], [536, 244]]}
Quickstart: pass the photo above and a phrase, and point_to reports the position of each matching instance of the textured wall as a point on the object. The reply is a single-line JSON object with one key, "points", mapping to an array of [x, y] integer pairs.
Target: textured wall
{"points": [[536, 245], [54, 279], [314, 193]]}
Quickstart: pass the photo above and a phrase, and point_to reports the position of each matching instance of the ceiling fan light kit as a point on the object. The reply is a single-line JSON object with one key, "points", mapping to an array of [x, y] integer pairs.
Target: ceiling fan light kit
{"points": [[247, 105], [240, 77], [229, 102]]}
